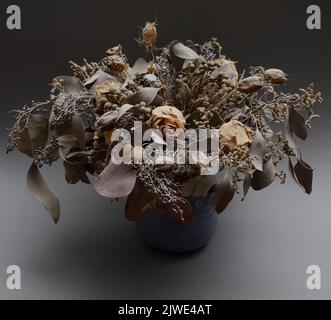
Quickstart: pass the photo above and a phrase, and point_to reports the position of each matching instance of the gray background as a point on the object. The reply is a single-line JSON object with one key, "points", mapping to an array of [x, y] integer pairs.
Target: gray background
{"points": [[262, 246]]}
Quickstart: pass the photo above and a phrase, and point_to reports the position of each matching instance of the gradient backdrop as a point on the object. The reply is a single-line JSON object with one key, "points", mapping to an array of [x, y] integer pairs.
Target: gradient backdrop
{"points": [[262, 246]]}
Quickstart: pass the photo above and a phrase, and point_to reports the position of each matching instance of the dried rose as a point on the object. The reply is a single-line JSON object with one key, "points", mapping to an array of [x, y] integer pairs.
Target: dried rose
{"points": [[167, 118], [149, 34], [275, 76], [234, 134]]}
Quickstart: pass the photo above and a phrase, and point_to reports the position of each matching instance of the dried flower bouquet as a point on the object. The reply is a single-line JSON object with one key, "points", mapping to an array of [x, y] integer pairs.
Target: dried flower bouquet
{"points": [[183, 87]]}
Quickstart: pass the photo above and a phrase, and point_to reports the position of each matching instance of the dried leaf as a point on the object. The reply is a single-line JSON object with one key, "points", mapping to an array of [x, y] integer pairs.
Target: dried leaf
{"points": [[146, 95], [199, 186], [179, 53], [183, 52], [124, 109], [71, 85], [257, 150], [246, 186], [224, 193], [139, 203], [250, 84], [115, 181], [303, 174], [262, 179], [297, 124], [100, 77], [34, 136], [140, 66], [41, 192], [75, 173]]}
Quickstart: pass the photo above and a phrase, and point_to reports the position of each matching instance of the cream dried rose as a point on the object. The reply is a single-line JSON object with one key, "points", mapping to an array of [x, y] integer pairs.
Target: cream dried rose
{"points": [[167, 118], [234, 134]]}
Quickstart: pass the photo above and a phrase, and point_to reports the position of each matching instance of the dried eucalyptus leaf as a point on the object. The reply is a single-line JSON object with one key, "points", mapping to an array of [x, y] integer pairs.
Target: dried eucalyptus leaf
{"points": [[71, 85], [304, 175], [124, 109], [183, 52], [41, 192], [225, 71], [146, 95], [246, 186], [250, 84], [262, 179], [107, 119], [75, 173], [288, 136], [224, 193], [199, 186], [115, 181], [139, 203], [99, 78], [141, 66], [179, 53], [67, 141], [34, 136], [297, 124], [257, 150]]}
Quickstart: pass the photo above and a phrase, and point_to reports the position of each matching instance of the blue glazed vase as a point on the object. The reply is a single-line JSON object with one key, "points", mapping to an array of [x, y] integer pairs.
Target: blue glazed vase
{"points": [[161, 232]]}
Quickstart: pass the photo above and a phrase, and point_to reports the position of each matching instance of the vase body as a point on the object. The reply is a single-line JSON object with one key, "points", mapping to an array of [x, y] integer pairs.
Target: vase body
{"points": [[160, 231]]}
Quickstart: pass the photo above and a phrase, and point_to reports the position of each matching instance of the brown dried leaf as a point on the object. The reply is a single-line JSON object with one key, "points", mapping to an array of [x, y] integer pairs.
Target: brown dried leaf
{"points": [[297, 124], [199, 186], [115, 181], [34, 136], [224, 193], [262, 179], [303, 175], [139, 203], [41, 192], [258, 150]]}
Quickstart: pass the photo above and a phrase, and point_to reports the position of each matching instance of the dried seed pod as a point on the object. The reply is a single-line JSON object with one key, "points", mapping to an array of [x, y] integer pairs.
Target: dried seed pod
{"points": [[275, 76], [149, 34], [250, 84]]}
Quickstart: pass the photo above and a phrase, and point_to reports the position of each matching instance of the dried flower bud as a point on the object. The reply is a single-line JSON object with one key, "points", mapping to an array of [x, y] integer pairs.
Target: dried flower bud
{"points": [[167, 118], [275, 76], [251, 84], [107, 87], [149, 34], [234, 134], [116, 63]]}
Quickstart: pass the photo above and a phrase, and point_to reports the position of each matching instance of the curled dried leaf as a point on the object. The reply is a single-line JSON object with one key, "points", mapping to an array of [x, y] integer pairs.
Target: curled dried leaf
{"points": [[147, 95], [262, 179], [224, 193], [42, 193]]}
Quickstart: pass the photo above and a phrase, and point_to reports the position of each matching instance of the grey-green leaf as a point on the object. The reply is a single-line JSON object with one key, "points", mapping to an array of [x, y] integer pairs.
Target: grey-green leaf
{"points": [[71, 85], [42, 193], [115, 181], [297, 124], [146, 95]]}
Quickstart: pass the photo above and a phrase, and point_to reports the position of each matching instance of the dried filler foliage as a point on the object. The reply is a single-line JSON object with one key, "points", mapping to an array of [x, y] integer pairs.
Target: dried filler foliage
{"points": [[174, 88]]}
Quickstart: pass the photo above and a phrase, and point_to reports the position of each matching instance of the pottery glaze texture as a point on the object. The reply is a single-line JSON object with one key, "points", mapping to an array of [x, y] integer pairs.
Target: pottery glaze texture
{"points": [[160, 231]]}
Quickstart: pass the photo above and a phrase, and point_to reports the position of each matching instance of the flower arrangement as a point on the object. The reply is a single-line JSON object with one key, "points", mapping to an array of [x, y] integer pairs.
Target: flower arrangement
{"points": [[184, 95]]}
